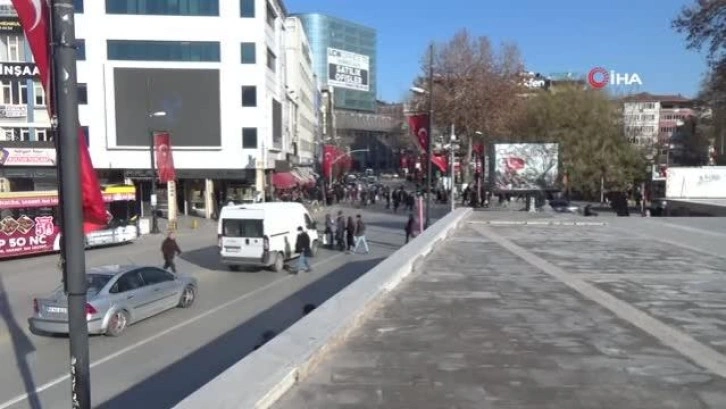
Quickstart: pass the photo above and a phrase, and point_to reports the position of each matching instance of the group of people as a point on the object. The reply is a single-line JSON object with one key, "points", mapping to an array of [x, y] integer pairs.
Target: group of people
{"points": [[345, 235]]}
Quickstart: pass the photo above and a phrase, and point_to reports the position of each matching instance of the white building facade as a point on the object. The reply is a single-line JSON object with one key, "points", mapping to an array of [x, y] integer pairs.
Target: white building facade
{"points": [[210, 72], [302, 92], [641, 121]]}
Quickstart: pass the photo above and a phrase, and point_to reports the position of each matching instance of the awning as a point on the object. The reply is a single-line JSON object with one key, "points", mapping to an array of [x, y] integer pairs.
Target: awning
{"points": [[307, 176], [284, 180]]}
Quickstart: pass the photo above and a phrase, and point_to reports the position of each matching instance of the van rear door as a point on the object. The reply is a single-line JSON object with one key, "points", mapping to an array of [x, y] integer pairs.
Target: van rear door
{"points": [[243, 237]]}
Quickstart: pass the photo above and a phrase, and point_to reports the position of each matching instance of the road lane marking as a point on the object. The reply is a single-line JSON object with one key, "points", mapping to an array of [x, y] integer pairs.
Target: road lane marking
{"points": [[63, 378]]}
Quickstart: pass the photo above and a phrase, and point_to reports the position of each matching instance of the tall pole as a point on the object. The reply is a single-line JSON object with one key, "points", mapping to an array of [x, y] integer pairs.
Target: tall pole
{"points": [[429, 147], [65, 89], [153, 199], [453, 175]]}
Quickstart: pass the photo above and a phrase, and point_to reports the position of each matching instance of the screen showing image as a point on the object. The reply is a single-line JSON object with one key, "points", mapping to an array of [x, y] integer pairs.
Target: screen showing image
{"points": [[189, 98]]}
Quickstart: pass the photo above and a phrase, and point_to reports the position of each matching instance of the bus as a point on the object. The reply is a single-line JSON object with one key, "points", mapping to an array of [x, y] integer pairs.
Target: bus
{"points": [[30, 223]]}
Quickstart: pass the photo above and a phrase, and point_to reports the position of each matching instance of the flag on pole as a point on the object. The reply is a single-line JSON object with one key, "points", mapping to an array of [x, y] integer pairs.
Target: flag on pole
{"points": [[34, 16], [420, 125]]}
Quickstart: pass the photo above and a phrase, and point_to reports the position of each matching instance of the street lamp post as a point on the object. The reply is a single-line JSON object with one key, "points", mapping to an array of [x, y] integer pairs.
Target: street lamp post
{"points": [[153, 199], [429, 147], [453, 174]]}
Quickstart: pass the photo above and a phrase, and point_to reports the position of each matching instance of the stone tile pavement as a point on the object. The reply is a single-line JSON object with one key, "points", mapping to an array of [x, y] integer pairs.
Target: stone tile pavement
{"points": [[538, 317]]}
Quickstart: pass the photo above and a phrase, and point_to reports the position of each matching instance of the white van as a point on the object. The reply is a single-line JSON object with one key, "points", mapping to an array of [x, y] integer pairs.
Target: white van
{"points": [[263, 234]]}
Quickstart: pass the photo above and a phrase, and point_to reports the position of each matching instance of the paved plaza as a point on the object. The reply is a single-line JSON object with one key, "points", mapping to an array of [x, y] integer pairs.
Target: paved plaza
{"points": [[619, 313]]}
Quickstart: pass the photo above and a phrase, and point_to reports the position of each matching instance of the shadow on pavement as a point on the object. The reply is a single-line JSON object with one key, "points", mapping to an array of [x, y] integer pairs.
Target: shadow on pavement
{"points": [[172, 384], [205, 257], [22, 347]]}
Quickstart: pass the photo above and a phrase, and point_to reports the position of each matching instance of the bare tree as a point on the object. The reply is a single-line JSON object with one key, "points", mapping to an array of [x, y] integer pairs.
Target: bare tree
{"points": [[475, 88]]}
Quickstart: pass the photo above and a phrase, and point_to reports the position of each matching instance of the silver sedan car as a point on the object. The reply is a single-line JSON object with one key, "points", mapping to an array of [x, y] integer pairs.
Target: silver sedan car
{"points": [[117, 297]]}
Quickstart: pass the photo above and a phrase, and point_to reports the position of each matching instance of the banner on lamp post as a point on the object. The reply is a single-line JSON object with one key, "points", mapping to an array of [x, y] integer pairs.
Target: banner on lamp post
{"points": [[164, 158]]}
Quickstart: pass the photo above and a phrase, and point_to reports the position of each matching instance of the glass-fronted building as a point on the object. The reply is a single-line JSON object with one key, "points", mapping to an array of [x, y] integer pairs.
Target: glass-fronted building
{"points": [[344, 59]]}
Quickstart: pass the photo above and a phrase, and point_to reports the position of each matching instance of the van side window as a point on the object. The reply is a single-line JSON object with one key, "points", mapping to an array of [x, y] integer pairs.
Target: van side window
{"points": [[308, 221]]}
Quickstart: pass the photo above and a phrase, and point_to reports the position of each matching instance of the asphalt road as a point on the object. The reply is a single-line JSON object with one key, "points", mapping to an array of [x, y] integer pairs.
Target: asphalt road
{"points": [[158, 362]]}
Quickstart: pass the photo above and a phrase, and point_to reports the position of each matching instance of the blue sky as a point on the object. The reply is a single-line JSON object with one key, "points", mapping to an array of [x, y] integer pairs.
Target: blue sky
{"points": [[628, 36]]}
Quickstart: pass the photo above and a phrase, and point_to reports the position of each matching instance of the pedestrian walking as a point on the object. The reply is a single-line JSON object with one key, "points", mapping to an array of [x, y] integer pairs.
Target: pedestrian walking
{"points": [[410, 226], [350, 233], [329, 231], [360, 235], [302, 247], [170, 249], [340, 231]]}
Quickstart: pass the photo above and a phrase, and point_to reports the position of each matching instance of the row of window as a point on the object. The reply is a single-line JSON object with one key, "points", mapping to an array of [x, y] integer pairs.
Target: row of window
{"points": [[26, 134], [12, 48], [17, 93], [202, 8]]}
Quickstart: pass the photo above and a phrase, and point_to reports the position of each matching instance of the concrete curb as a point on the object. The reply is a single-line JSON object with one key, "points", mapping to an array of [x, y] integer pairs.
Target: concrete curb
{"points": [[538, 223], [261, 378]]}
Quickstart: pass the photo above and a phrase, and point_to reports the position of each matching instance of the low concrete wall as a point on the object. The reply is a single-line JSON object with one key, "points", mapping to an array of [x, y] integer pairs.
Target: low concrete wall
{"points": [[262, 377]]}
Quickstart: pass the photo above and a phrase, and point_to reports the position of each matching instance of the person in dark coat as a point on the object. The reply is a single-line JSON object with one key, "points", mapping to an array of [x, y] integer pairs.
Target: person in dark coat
{"points": [[170, 249], [302, 247], [410, 226], [340, 231], [350, 233]]}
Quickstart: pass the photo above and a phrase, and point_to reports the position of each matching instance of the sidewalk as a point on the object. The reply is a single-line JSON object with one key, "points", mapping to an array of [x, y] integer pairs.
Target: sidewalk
{"points": [[538, 317]]}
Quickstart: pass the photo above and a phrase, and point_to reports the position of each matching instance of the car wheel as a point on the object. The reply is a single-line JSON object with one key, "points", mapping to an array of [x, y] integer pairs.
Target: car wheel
{"points": [[188, 296], [117, 324], [279, 263], [314, 249], [233, 268]]}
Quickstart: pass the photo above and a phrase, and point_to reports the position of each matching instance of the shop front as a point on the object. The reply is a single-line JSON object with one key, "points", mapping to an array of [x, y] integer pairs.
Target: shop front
{"points": [[26, 169], [199, 192]]}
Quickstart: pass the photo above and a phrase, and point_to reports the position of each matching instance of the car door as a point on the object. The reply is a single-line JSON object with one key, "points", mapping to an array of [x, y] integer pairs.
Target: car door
{"points": [[162, 287], [129, 293]]}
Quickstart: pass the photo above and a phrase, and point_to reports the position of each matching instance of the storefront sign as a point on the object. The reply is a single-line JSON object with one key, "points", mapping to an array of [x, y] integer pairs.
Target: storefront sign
{"points": [[10, 25], [348, 70], [27, 157], [25, 235], [18, 70], [13, 111]]}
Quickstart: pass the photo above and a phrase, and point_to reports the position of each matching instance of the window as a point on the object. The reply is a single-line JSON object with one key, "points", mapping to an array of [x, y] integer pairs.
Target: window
{"points": [[42, 135], [271, 60], [7, 92], [247, 8], [15, 48], [276, 124], [309, 222], [249, 51], [23, 92], [249, 138], [81, 49], [271, 15], [242, 228], [78, 5], [128, 282], [164, 8], [130, 50], [155, 276], [39, 94], [249, 96], [87, 134], [82, 94]]}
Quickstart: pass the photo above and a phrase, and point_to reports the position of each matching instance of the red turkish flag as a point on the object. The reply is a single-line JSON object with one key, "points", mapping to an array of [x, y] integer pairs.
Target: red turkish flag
{"points": [[419, 125], [441, 162], [164, 159], [34, 16]]}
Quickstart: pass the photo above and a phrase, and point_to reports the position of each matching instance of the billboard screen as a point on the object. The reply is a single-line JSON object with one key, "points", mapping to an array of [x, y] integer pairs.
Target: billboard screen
{"points": [[348, 70], [189, 97], [708, 182], [525, 166]]}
